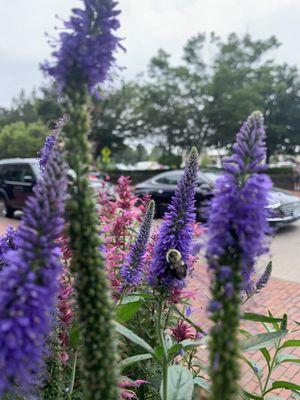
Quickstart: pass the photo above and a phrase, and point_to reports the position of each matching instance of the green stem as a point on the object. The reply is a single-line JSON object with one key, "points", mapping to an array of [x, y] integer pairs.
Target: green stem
{"points": [[277, 348], [165, 355], [74, 366]]}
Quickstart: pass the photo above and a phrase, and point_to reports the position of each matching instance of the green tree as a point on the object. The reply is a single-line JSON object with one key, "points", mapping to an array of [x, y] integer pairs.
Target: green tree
{"points": [[21, 140], [113, 118]]}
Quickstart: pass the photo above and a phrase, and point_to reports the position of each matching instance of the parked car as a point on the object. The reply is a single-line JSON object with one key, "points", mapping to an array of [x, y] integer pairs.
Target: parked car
{"points": [[17, 178], [284, 207], [162, 187]]}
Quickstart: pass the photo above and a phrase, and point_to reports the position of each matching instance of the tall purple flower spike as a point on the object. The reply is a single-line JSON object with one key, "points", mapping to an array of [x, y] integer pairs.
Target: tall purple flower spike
{"points": [[238, 216], [29, 281], [132, 270], [237, 229], [84, 52], [176, 231]]}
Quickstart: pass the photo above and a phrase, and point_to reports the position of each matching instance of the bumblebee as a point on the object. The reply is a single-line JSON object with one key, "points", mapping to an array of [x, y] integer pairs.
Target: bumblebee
{"points": [[178, 267]]}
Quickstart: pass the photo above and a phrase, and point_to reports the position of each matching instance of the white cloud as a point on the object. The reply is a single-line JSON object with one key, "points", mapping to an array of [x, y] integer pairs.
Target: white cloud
{"points": [[146, 25]]}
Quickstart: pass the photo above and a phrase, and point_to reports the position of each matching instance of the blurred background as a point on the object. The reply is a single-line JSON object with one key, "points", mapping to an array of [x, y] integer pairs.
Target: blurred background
{"points": [[193, 70]]}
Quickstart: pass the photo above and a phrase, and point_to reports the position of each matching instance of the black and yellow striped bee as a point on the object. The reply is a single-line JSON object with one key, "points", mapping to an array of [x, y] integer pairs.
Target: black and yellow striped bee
{"points": [[177, 266]]}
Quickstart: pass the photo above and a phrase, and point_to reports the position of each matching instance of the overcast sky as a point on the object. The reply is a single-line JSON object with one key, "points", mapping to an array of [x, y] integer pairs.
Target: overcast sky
{"points": [[146, 26]]}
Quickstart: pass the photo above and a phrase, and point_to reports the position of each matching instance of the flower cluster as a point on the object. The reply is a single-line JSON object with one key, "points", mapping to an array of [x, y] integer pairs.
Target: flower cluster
{"points": [[176, 231], [7, 242], [132, 270], [182, 331], [31, 275], [65, 307], [118, 217], [84, 53]]}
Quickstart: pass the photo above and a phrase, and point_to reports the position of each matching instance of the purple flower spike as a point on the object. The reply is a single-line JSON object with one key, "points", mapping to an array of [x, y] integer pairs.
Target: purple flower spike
{"points": [[238, 216], [84, 52], [237, 229], [131, 272], [176, 231], [29, 282]]}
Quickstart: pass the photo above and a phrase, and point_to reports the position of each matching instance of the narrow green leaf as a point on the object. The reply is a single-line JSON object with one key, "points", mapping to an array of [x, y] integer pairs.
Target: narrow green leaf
{"points": [[127, 362], [254, 366], [284, 385], [74, 335], [122, 330], [275, 324], [190, 344], [202, 383], [260, 318], [180, 383], [126, 311], [291, 343], [266, 354], [261, 340], [282, 358], [201, 364]]}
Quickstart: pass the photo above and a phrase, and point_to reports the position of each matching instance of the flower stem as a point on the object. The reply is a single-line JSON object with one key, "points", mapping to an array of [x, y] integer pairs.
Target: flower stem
{"points": [[165, 353], [74, 366]]}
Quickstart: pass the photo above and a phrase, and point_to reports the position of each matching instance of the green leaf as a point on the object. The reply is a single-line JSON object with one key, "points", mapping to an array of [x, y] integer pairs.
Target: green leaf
{"points": [[261, 340], [283, 325], [260, 318], [248, 395], [74, 336], [291, 343], [126, 311], [253, 365], [201, 364], [266, 354], [284, 385], [133, 360], [122, 330], [190, 344], [202, 383], [173, 351], [282, 358], [180, 383], [275, 324], [159, 353]]}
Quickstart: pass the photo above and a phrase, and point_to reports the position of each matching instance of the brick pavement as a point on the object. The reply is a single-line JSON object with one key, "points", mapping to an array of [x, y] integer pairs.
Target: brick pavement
{"points": [[279, 297]]}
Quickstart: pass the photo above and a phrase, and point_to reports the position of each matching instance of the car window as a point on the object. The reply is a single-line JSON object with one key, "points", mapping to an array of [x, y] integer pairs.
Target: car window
{"points": [[26, 173], [169, 179], [13, 173]]}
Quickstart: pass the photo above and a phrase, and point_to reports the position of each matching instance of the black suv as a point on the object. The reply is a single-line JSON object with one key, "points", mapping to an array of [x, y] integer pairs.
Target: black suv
{"points": [[17, 178], [19, 175]]}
